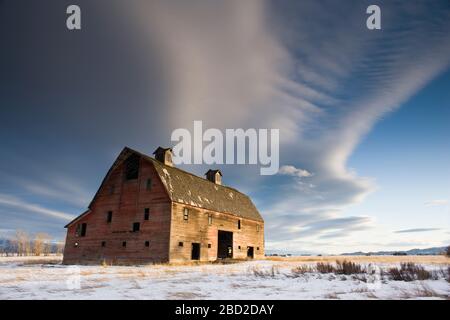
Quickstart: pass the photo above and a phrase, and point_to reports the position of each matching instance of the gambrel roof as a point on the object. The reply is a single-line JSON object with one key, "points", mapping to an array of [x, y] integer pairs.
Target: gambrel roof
{"points": [[186, 188]]}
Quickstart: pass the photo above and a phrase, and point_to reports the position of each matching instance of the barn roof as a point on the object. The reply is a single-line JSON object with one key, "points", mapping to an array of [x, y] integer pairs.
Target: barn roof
{"points": [[187, 188]]}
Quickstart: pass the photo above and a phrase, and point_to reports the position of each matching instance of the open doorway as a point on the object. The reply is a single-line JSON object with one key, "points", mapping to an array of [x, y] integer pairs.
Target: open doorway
{"points": [[250, 252], [195, 253], [225, 244]]}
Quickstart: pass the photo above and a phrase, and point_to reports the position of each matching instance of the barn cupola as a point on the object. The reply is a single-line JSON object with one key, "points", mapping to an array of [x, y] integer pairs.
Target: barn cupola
{"points": [[214, 176], [164, 155]]}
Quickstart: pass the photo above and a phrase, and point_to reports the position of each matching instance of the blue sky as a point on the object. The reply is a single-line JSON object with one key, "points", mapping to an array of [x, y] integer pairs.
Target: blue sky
{"points": [[366, 112]]}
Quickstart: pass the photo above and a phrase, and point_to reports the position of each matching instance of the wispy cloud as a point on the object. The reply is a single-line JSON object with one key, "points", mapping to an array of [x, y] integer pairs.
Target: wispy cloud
{"points": [[62, 191], [293, 171], [417, 230], [337, 227], [23, 205], [436, 203]]}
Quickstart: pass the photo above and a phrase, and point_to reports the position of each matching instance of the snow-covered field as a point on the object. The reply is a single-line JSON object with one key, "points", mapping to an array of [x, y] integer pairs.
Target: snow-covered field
{"points": [[46, 278]]}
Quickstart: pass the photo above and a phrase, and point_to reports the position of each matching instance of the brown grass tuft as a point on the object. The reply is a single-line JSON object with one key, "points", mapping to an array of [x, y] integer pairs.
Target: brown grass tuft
{"points": [[265, 273], [323, 267], [409, 272]]}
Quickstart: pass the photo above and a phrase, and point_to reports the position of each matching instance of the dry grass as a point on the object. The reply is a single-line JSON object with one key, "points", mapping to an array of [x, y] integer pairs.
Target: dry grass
{"points": [[341, 267], [301, 270], [323, 267], [425, 291], [409, 272], [371, 295], [441, 259], [448, 274], [271, 273], [333, 296], [184, 295], [421, 292], [360, 290]]}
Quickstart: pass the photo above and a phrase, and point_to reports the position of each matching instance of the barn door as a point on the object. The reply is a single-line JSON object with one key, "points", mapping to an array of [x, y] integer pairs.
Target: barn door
{"points": [[195, 253], [250, 252]]}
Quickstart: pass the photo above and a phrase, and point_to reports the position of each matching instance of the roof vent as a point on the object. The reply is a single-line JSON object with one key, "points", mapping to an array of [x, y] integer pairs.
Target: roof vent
{"points": [[214, 176], [164, 155]]}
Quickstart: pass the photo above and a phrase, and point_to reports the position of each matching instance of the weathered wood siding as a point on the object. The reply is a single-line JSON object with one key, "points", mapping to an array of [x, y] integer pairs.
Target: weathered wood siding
{"points": [[127, 200], [197, 230]]}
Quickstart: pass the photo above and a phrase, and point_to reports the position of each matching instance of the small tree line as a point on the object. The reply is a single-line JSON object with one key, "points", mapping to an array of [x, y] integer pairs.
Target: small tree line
{"points": [[24, 244]]}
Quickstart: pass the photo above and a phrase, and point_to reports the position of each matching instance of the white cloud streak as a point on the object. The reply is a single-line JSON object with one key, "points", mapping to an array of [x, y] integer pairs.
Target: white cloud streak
{"points": [[436, 203], [417, 230], [293, 171], [11, 201]]}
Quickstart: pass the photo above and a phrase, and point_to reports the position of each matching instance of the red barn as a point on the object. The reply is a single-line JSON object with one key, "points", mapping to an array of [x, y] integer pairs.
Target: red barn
{"points": [[146, 211]]}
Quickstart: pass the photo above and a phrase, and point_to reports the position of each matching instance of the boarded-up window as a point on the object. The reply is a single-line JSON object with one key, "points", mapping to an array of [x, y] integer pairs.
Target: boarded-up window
{"points": [[136, 226], [132, 167], [186, 214], [257, 227]]}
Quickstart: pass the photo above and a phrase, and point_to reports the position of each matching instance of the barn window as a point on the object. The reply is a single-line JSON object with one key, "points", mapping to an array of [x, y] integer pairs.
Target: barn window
{"points": [[112, 189], [257, 228], [239, 247], [124, 244], [103, 243], [132, 167], [109, 217], [83, 230], [147, 243], [148, 185], [136, 226], [186, 214], [180, 244], [80, 231], [239, 224], [146, 213], [209, 245], [210, 219], [257, 248]]}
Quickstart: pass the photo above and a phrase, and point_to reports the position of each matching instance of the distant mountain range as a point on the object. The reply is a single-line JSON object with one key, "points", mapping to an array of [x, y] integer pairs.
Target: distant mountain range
{"points": [[412, 252]]}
